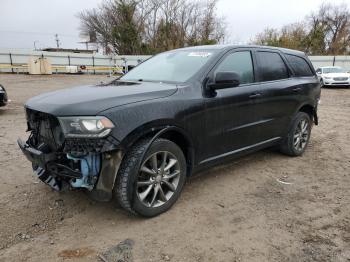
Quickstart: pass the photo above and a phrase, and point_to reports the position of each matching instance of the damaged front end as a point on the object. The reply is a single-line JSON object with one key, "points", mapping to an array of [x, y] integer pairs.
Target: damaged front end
{"points": [[76, 152]]}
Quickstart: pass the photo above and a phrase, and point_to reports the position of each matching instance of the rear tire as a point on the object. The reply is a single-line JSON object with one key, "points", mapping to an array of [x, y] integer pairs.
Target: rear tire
{"points": [[149, 183], [298, 135]]}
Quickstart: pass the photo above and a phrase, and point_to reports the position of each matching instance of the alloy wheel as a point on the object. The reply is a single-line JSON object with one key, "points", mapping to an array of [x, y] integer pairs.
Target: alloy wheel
{"points": [[158, 179], [301, 135]]}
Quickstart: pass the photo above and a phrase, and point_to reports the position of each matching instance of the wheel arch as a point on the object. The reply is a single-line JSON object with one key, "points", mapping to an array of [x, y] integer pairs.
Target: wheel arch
{"points": [[170, 132], [310, 110]]}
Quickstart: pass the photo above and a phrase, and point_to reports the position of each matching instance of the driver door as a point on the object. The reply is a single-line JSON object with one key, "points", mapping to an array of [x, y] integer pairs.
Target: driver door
{"points": [[231, 115]]}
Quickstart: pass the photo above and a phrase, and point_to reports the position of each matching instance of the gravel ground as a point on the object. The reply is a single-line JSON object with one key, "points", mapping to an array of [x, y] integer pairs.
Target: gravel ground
{"points": [[236, 212]]}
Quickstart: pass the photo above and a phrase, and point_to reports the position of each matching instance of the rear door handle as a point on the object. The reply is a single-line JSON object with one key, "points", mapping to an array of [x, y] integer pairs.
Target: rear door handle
{"points": [[254, 95], [298, 89]]}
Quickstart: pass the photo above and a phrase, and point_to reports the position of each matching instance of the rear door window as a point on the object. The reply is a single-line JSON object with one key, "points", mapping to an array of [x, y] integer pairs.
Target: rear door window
{"points": [[239, 62], [299, 66], [271, 66]]}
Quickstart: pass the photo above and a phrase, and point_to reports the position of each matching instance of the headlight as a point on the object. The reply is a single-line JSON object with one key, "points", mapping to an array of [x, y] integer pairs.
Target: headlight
{"points": [[86, 126], [327, 77]]}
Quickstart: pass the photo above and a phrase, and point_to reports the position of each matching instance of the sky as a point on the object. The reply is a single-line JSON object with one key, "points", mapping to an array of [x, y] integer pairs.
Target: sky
{"points": [[25, 23]]}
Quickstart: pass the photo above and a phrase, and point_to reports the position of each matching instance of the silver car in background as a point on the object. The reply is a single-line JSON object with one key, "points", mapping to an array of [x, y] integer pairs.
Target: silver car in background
{"points": [[333, 76]]}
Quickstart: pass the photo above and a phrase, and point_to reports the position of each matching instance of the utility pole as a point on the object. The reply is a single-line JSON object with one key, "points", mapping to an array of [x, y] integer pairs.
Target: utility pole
{"points": [[57, 41], [35, 45]]}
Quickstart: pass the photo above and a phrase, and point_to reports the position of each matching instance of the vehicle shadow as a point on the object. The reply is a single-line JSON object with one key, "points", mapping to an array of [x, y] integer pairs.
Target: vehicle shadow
{"points": [[78, 199], [46, 210], [202, 177], [3, 110], [336, 87]]}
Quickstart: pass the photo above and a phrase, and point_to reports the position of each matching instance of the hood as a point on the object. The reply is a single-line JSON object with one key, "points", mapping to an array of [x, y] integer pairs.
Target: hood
{"points": [[337, 75], [90, 100]]}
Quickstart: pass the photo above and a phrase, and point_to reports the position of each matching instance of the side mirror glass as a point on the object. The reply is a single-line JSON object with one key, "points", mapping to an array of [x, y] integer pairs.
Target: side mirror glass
{"points": [[225, 80]]}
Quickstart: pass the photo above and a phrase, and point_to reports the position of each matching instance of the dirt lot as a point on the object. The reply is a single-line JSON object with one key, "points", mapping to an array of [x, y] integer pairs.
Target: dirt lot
{"points": [[236, 212]]}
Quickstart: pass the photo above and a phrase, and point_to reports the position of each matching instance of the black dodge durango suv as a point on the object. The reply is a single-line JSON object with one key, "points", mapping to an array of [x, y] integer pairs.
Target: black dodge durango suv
{"points": [[139, 137]]}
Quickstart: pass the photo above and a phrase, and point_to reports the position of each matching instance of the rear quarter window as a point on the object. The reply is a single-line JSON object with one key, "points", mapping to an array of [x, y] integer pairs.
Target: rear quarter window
{"points": [[299, 65]]}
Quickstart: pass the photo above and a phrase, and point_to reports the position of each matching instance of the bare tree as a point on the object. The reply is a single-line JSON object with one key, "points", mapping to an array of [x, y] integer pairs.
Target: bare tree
{"points": [[337, 20], [150, 26], [269, 36], [315, 40], [326, 31]]}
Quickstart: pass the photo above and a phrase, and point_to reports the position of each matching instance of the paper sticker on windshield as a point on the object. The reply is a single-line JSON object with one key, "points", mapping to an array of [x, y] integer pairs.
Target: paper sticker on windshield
{"points": [[200, 54]]}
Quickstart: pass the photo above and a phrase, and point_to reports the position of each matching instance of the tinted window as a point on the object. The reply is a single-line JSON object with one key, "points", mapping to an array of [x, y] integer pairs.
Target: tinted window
{"points": [[271, 66], [299, 66], [241, 63]]}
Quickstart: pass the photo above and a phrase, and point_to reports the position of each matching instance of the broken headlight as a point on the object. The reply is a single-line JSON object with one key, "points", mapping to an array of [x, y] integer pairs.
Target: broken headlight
{"points": [[86, 126]]}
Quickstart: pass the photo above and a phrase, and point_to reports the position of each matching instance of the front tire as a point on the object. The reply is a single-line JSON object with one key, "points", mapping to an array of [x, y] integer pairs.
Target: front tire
{"points": [[322, 83], [149, 183], [298, 135]]}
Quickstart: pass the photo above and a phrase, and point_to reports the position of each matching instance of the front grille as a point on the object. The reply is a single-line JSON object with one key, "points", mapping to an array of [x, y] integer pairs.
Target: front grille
{"points": [[90, 145], [340, 78], [45, 130], [340, 83]]}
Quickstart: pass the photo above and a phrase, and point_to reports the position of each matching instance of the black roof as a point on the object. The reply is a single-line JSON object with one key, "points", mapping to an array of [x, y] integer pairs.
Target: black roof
{"points": [[226, 47]]}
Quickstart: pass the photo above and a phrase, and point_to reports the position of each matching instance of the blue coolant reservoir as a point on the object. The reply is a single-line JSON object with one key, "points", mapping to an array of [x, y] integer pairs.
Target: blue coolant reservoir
{"points": [[90, 168]]}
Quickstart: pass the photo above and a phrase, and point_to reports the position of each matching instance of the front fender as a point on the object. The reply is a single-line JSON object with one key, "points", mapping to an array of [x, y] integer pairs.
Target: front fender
{"points": [[153, 130]]}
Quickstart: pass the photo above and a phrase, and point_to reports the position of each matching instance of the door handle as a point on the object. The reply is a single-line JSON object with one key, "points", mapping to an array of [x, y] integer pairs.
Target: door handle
{"points": [[298, 89], [254, 95]]}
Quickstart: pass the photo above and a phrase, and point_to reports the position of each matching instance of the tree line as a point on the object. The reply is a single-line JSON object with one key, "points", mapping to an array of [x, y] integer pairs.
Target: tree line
{"points": [[135, 27], [325, 32]]}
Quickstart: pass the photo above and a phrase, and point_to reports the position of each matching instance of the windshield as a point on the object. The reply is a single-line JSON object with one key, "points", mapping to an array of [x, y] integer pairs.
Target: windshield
{"points": [[173, 66], [330, 70]]}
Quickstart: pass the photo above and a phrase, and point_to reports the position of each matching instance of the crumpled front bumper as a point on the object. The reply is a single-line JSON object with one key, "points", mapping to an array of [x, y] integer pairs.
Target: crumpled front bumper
{"points": [[39, 160], [35, 156], [43, 161]]}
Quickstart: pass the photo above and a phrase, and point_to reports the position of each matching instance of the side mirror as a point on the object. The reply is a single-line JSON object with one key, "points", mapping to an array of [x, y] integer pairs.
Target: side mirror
{"points": [[225, 80]]}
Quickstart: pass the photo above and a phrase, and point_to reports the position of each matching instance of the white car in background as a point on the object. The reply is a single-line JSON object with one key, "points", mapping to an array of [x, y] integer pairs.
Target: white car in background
{"points": [[333, 76]]}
